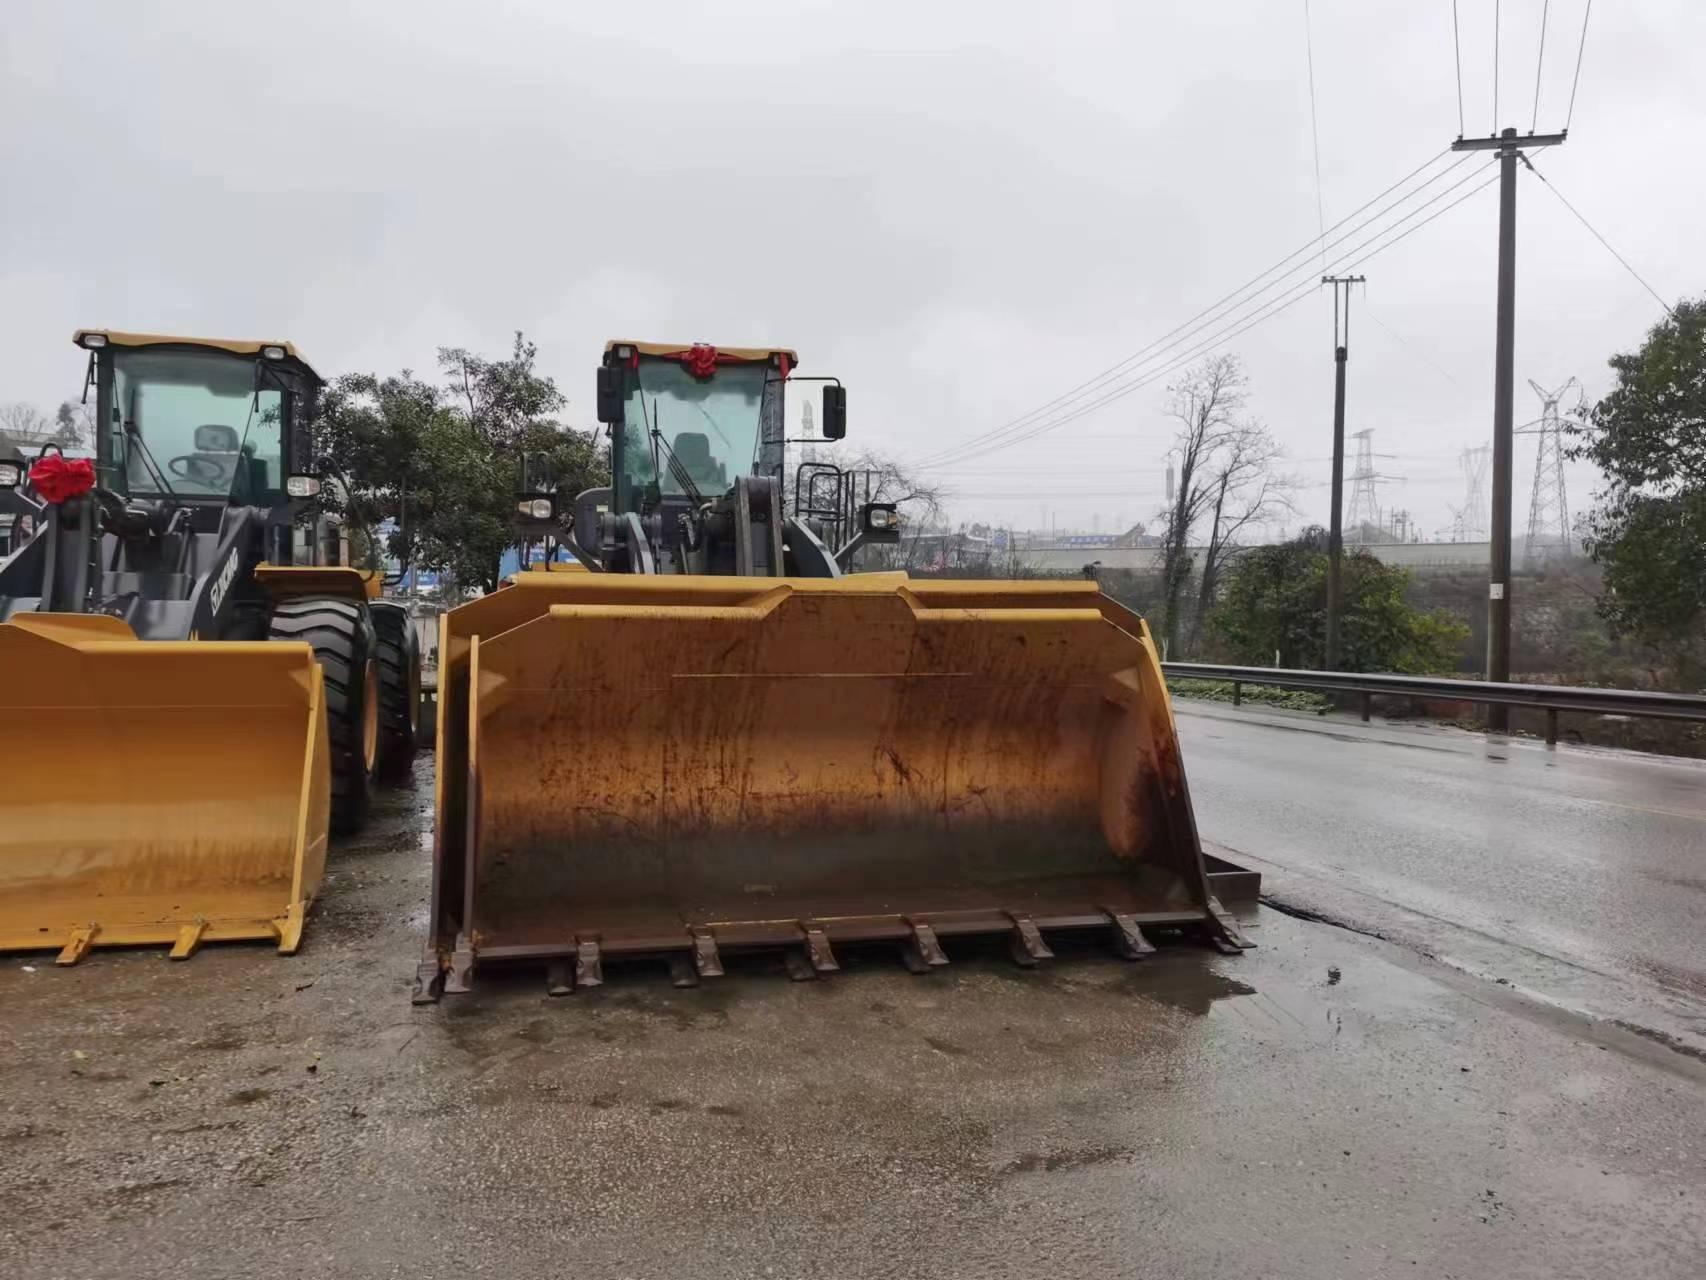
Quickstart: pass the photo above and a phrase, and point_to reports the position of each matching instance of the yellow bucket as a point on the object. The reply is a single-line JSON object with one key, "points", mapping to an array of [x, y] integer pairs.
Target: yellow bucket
{"points": [[159, 792], [678, 765]]}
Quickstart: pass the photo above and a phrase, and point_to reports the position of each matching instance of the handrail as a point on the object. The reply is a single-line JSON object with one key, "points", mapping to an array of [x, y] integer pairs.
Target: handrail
{"points": [[1550, 698]]}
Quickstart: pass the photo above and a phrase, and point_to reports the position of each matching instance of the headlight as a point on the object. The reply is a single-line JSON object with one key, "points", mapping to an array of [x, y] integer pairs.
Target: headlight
{"points": [[11, 475], [302, 486], [272, 353], [881, 519], [92, 341], [536, 508]]}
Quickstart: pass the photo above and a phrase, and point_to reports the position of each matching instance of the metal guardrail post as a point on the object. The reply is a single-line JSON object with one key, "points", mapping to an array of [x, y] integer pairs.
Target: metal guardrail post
{"points": [[1237, 694], [1551, 726], [1367, 705]]}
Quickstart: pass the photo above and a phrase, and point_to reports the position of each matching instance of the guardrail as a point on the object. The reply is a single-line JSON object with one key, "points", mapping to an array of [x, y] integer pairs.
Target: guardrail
{"points": [[1550, 698]]}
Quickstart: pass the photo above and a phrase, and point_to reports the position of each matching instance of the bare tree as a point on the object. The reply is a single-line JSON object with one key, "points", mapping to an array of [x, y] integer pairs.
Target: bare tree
{"points": [[24, 423], [1206, 402], [884, 479], [1245, 489]]}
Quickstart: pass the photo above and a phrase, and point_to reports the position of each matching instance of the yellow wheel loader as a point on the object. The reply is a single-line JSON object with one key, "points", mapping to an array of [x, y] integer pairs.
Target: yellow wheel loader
{"points": [[174, 607], [718, 737]]}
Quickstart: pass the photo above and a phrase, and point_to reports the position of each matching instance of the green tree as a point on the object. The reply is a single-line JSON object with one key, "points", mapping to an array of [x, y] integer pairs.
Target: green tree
{"points": [[74, 425], [1648, 526], [1276, 601], [442, 460]]}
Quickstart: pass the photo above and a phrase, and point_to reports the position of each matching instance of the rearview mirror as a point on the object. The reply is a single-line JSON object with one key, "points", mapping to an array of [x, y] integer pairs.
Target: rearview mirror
{"points": [[834, 411], [609, 394]]}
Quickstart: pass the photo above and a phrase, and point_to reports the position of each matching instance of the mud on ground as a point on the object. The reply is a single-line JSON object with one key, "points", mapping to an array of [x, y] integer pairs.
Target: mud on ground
{"points": [[1327, 1105]]}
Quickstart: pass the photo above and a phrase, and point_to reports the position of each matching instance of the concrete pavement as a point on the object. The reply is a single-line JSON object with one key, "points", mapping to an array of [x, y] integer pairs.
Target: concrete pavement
{"points": [[1575, 872], [1327, 1105]]}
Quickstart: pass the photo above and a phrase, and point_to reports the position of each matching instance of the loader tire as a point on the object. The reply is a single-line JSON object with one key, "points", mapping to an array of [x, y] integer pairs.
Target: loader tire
{"points": [[342, 637], [399, 654]]}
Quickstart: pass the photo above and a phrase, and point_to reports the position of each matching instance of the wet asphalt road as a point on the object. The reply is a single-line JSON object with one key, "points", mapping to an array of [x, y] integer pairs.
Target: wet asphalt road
{"points": [[1577, 872], [1328, 1105]]}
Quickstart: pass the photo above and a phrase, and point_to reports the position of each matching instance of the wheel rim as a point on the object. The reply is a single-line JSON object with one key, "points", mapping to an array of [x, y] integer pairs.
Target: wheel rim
{"points": [[370, 716]]}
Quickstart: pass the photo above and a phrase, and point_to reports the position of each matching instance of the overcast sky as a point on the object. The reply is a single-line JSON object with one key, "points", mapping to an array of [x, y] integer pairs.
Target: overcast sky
{"points": [[963, 210]]}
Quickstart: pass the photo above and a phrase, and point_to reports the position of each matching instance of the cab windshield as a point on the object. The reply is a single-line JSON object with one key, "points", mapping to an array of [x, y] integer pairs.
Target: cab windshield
{"points": [[203, 423], [711, 426]]}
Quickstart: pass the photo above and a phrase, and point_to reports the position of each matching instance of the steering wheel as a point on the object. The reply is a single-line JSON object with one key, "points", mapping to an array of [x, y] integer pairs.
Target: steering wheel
{"points": [[199, 468]]}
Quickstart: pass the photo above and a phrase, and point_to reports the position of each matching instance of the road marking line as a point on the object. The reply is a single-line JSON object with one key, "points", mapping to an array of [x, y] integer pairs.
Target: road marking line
{"points": [[1642, 808]]}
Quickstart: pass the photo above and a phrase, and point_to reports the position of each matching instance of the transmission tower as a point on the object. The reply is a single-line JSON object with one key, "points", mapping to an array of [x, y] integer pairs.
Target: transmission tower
{"points": [[1548, 509], [1364, 510], [1470, 523]]}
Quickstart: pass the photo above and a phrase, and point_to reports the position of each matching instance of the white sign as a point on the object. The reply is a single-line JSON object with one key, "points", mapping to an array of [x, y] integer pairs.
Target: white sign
{"points": [[1495, 591]]}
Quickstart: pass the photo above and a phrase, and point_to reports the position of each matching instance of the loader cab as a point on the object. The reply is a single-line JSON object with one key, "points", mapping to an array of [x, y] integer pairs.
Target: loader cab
{"points": [[200, 451], [685, 422], [698, 442], [199, 423]]}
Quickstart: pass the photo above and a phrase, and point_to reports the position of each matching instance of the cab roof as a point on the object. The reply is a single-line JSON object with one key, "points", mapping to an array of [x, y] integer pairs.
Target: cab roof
{"points": [[675, 350], [236, 346]]}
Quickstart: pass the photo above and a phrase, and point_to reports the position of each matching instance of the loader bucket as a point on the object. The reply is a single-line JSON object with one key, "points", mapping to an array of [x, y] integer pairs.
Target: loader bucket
{"points": [[683, 765], [160, 792]]}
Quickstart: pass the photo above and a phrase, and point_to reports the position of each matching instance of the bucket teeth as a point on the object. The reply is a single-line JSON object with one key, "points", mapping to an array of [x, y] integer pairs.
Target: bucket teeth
{"points": [[818, 953], [461, 975], [429, 979], [681, 971], [78, 944], [1027, 943], [1128, 938], [1230, 939], [812, 957], [189, 940], [705, 958], [589, 965], [921, 951], [559, 979]]}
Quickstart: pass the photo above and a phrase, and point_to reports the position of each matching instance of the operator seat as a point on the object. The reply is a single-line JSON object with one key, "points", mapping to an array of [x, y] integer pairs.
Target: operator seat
{"points": [[692, 450]]}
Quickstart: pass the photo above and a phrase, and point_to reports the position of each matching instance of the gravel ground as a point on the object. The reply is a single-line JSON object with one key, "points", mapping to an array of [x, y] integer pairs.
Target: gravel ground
{"points": [[1326, 1105]]}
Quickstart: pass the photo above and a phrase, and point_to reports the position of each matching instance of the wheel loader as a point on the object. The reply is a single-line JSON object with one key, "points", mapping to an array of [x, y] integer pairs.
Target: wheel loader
{"points": [[182, 608], [713, 735]]}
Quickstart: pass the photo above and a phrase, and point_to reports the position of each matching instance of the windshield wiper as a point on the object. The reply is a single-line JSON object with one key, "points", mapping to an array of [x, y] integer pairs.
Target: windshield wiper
{"points": [[676, 467], [133, 434]]}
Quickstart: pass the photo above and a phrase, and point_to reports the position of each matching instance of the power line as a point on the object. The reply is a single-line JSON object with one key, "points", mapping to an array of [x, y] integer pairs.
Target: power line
{"points": [[1539, 62], [1314, 128], [1613, 252], [1236, 327], [1577, 78], [1405, 342], [1165, 349], [1457, 58], [1239, 326], [1206, 316], [1203, 319]]}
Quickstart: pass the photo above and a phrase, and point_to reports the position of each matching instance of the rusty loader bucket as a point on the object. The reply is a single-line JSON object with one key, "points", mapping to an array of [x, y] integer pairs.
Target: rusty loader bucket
{"points": [[157, 792], [680, 766]]}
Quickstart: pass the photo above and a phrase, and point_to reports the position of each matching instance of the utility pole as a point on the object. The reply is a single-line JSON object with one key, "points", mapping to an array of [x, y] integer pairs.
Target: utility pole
{"points": [[1335, 526], [1509, 146]]}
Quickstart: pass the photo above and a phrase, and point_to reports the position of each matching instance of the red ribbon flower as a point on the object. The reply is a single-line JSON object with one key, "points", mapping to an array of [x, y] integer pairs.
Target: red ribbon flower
{"points": [[700, 360], [58, 478]]}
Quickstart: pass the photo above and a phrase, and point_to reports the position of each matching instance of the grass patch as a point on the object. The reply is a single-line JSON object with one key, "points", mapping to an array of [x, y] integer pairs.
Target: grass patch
{"points": [[1262, 694]]}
